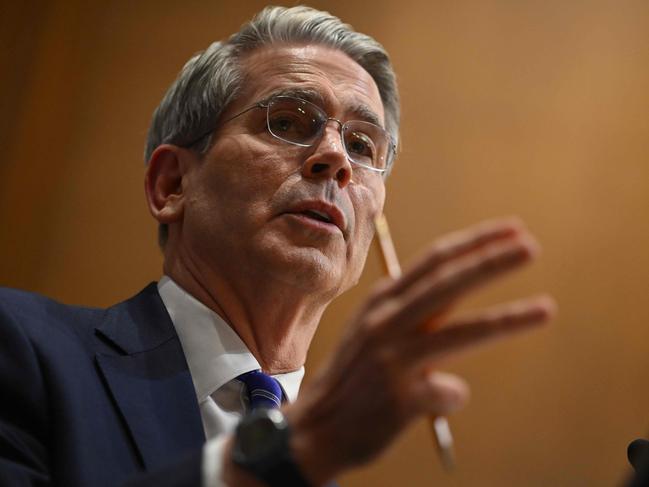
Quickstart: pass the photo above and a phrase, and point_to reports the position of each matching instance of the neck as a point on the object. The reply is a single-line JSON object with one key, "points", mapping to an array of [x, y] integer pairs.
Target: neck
{"points": [[276, 321]]}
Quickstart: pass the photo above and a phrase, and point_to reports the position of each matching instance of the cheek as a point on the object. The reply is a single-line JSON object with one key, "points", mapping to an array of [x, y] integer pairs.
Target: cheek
{"points": [[252, 163], [368, 202], [238, 180], [232, 166], [368, 199]]}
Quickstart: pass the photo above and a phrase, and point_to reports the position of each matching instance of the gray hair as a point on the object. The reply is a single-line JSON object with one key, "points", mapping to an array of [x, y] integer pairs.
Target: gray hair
{"points": [[211, 79]]}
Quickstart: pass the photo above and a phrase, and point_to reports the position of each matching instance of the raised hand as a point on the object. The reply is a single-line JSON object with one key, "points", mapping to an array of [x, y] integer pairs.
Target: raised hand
{"points": [[383, 374]]}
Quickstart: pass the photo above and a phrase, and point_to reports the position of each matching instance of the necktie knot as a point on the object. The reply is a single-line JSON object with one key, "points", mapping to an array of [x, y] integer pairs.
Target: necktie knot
{"points": [[263, 390]]}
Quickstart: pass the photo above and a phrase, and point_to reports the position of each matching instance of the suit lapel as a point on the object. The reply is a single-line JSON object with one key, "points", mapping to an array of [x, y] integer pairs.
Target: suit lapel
{"points": [[148, 377]]}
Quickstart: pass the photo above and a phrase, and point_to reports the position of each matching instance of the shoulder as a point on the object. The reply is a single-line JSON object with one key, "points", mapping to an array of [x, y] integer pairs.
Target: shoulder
{"points": [[21, 302], [54, 326], [35, 313]]}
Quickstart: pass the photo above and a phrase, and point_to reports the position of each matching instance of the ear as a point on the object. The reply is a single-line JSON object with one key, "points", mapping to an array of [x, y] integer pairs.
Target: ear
{"points": [[163, 183]]}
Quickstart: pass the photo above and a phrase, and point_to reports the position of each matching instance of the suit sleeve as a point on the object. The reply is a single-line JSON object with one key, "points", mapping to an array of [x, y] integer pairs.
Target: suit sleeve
{"points": [[184, 473], [23, 413], [203, 470]]}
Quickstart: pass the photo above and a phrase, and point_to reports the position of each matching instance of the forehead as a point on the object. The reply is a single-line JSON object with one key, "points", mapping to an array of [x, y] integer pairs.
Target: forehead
{"points": [[344, 87]]}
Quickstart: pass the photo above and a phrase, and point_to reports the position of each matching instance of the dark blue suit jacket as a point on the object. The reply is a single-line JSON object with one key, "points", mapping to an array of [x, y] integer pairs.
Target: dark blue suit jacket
{"points": [[95, 397]]}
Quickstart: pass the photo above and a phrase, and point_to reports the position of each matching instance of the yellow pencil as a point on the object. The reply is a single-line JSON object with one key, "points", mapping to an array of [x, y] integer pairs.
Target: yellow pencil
{"points": [[439, 425]]}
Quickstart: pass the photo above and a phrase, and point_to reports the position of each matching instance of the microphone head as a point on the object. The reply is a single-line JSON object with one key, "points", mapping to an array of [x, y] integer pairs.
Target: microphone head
{"points": [[638, 453]]}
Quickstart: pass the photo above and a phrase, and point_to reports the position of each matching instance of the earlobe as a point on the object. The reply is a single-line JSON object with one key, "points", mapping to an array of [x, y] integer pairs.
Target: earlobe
{"points": [[163, 184]]}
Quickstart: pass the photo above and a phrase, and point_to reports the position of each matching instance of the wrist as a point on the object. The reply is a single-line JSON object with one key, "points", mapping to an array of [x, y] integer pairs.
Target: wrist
{"points": [[311, 451]]}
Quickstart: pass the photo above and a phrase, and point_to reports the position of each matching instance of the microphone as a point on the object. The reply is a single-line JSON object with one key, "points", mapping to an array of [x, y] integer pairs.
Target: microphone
{"points": [[638, 453]]}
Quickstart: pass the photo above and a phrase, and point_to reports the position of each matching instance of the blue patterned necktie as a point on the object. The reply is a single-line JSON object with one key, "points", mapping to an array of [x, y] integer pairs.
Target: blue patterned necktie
{"points": [[263, 390]]}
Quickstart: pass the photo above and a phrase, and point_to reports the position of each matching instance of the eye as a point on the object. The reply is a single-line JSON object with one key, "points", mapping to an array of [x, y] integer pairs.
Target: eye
{"points": [[360, 146], [285, 122], [293, 125]]}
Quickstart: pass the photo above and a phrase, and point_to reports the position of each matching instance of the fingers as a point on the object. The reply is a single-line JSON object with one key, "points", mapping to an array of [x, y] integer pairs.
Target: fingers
{"points": [[433, 293], [457, 244], [489, 325], [439, 393], [448, 248]]}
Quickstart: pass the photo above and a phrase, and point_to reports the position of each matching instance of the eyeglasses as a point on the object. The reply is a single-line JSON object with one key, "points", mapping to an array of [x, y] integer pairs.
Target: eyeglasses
{"points": [[302, 123]]}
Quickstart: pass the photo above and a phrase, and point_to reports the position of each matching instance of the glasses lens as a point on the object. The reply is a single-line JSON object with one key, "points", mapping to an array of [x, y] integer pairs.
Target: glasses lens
{"points": [[301, 122], [366, 144], [295, 121]]}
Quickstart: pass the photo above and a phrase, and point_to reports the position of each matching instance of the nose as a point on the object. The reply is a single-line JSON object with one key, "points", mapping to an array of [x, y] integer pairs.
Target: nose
{"points": [[329, 159]]}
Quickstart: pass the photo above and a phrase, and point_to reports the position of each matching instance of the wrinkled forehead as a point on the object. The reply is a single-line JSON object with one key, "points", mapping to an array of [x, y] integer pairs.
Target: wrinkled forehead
{"points": [[325, 76]]}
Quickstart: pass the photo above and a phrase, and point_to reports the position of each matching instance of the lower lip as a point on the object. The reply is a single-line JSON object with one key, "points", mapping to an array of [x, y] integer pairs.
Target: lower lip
{"points": [[313, 223]]}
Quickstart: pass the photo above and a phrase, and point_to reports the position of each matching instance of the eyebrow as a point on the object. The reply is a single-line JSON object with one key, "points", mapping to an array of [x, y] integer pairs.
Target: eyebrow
{"points": [[302, 93], [366, 113], [361, 111]]}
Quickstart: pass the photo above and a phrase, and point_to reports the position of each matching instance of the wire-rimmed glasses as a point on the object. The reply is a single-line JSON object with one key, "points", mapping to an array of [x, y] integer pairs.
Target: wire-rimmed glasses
{"points": [[302, 123]]}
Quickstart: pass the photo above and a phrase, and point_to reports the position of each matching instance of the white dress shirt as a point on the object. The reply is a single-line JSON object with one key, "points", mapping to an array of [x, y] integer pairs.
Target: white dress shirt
{"points": [[215, 355]]}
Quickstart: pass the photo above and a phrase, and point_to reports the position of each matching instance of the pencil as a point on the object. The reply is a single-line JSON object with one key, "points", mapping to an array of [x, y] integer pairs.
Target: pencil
{"points": [[439, 425]]}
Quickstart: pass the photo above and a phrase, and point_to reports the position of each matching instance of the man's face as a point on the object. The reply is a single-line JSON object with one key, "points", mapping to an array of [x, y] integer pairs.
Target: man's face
{"points": [[249, 201]]}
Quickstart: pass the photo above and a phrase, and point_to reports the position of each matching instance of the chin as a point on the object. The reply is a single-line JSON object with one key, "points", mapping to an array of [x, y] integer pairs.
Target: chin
{"points": [[310, 269]]}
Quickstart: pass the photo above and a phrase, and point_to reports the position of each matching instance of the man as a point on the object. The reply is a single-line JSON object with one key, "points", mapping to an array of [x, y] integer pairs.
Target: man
{"points": [[267, 162]]}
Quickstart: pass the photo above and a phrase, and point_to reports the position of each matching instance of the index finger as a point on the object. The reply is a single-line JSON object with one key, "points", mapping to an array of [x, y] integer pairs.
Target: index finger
{"points": [[458, 244]]}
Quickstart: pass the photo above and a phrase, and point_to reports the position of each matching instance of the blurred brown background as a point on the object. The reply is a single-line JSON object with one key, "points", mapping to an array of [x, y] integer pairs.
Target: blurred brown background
{"points": [[536, 108]]}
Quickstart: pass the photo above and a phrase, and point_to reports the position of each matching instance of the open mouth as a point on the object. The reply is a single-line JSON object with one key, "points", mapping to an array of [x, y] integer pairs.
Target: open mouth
{"points": [[320, 214], [317, 215]]}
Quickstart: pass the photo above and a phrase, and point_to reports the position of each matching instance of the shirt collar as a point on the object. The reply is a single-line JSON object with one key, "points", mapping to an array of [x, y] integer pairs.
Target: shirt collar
{"points": [[215, 354]]}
